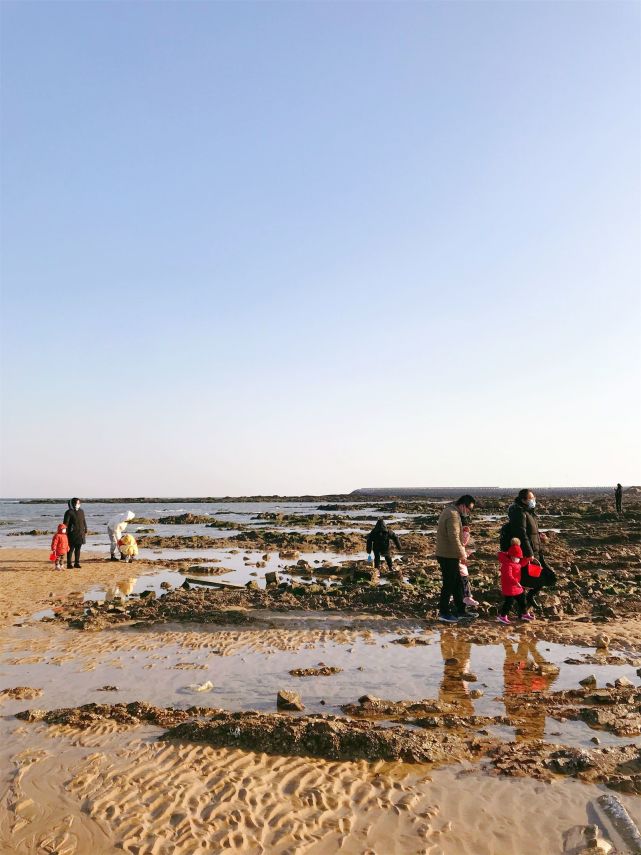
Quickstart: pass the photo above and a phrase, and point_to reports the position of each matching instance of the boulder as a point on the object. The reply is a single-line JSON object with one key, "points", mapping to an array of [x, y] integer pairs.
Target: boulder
{"points": [[286, 700]]}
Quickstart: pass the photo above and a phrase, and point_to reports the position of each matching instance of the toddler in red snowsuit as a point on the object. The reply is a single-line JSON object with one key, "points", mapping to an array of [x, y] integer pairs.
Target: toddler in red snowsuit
{"points": [[511, 588], [60, 546]]}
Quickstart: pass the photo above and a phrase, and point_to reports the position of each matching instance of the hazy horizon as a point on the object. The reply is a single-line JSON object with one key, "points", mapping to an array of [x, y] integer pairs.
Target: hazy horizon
{"points": [[355, 492], [259, 248]]}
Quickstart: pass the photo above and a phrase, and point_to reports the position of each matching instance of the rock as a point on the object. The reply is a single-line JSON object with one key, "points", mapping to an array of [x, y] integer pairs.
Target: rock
{"points": [[451, 661], [475, 694], [32, 715], [286, 700], [469, 677], [271, 579], [207, 686], [252, 586], [151, 595], [368, 699], [166, 586], [108, 689], [21, 693], [602, 641], [623, 683], [321, 670], [589, 682]]}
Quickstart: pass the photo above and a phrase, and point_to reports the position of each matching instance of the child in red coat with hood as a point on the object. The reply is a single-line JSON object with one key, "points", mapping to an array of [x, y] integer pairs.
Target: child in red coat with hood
{"points": [[60, 546], [511, 588]]}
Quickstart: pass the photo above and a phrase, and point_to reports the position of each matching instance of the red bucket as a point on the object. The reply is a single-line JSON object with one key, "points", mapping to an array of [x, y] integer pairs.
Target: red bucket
{"points": [[52, 556], [534, 570]]}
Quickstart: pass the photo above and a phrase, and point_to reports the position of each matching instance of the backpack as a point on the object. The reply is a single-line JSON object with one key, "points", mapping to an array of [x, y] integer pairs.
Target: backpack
{"points": [[505, 536]]}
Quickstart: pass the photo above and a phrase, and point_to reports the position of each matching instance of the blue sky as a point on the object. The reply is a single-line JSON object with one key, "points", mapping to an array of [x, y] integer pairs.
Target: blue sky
{"points": [[279, 247]]}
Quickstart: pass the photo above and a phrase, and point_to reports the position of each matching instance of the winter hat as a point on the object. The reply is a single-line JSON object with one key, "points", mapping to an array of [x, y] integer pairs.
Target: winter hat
{"points": [[62, 528], [515, 550]]}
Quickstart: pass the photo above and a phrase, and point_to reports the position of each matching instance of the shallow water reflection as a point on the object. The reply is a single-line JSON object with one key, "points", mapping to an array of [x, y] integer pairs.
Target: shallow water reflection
{"points": [[247, 666]]}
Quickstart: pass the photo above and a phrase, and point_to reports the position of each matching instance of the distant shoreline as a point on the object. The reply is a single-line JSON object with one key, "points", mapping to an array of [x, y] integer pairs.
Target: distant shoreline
{"points": [[366, 493]]}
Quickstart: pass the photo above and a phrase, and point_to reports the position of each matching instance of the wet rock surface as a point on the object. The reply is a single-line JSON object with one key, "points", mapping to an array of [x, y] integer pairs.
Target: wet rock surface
{"points": [[130, 715], [619, 767], [425, 713], [20, 693], [327, 737], [319, 671]]}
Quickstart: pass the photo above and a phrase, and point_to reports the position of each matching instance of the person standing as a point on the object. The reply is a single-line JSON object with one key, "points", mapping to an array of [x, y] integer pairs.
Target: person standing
{"points": [[380, 539], [524, 525], [60, 545], [115, 529], [450, 551], [76, 531], [618, 498]]}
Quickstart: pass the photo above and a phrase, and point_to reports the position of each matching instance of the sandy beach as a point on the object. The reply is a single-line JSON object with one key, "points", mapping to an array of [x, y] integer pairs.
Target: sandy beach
{"points": [[104, 781]]}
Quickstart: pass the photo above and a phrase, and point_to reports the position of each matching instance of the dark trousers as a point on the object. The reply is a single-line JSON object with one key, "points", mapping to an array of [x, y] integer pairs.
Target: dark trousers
{"points": [[74, 549], [386, 556], [451, 587], [508, 602], [617, 499], [547, 579]]}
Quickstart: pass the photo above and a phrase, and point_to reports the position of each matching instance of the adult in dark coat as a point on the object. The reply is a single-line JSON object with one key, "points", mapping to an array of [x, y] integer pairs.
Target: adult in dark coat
{"points": [[618, 497], [76, 531], [524, 524], [379, 539]]}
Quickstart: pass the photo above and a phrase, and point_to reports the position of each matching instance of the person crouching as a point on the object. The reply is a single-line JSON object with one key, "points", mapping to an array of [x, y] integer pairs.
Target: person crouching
{"points": [[128, 547], [60, 546], [511, 588]]}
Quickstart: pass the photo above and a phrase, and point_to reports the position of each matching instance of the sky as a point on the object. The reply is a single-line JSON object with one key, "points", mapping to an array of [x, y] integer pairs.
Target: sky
{"points": [[288, 248]]}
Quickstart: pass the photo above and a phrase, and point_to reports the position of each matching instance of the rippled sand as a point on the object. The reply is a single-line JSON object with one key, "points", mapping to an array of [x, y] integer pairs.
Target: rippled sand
{"points": [[105, 790]]}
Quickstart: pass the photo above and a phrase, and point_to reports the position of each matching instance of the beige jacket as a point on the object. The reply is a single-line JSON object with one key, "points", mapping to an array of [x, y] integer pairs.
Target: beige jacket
{"points": [[448, 534]]}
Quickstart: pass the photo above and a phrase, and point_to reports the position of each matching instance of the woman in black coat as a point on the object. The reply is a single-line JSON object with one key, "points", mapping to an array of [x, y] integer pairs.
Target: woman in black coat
{"points": [[76, 531], [524, 524]]}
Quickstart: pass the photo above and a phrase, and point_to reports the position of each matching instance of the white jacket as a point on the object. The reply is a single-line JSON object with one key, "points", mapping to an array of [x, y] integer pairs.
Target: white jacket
{"points": [[118, 523]]}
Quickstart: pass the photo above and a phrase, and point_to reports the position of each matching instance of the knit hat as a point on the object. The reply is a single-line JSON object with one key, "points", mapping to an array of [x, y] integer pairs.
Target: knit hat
{"points": [[515, 550], [62, 528]]}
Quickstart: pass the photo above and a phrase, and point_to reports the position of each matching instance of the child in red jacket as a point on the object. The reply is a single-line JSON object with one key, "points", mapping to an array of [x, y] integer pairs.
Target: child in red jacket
{"points": [[511, 588], [60, 546]]}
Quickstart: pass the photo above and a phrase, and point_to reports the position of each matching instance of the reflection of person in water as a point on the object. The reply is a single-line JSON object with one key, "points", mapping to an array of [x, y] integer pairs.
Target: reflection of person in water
{"points": [[521, 677], [121, 589], [454, 689]]}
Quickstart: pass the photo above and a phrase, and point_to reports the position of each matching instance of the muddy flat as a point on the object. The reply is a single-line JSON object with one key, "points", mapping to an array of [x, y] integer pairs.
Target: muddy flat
{"points": [[149, 718]]}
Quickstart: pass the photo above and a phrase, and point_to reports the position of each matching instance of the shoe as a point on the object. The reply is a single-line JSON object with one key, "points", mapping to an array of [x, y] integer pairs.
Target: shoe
{"points": [[503, 619], [69, 567], [470, 601], [113, 558], [77, 566], [526, 617], [448, 618]]}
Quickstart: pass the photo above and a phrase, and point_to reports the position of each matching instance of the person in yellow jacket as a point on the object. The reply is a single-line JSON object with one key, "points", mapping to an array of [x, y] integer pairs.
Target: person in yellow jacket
{"points": [[128, 547]]}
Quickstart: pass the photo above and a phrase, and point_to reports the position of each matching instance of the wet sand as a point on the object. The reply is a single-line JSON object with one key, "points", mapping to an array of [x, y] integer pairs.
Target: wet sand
{"points": [[108, 790]]}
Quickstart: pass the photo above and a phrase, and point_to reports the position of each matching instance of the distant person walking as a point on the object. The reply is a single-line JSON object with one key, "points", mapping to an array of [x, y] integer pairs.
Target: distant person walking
{"points": [[115, 529], [76, 531], [380, 539], [618, 498], [524, 524], [450, 552]]}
